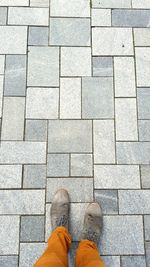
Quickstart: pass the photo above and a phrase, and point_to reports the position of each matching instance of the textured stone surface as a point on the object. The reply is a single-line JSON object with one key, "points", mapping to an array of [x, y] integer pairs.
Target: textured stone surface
{"points": [[1, 93], [142, 66], [32, 228], [108, 200], [101, 17], [143, 101], [30, 252], [102, 66], [112, 261], [111, 3], [38, 36], [134, 261], [14, 3], [34, 176], [2, 62], [39, 3], [145, 176], [3, 15], [144, 130], [9, 261], [141, 4], [148, 254], [147, 226], [10, 176], [81, 165], [36, 130], [57, 165], [142, 36]]}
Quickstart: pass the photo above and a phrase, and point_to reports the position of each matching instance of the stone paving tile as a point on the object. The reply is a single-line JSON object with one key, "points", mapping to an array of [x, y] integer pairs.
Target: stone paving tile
{"points": [[143, 100], [142, 66], [15, 75], [9, 261], [97, 98], [148, 254], [38, 36], [102, 66], [1, 93], [116, 177], [14, 3], [9, 243], [13, 118], [134, 261], [34, 176], [104, 143], [2, 63], [74, 141], [101, 17], [32, 228], [39, 3], [43, 66], [134, 201], [145, 176], [36, 130], [147, 227], [10, 176], [63, 31], [108, 199], [29, 253], [119, 38], [57, 165], [111, 3], [144, 130], [81, 165], [24, 202], [28, 16], [13, 39], [141, 4], [142, 36], [112, 261], [3, 15]]}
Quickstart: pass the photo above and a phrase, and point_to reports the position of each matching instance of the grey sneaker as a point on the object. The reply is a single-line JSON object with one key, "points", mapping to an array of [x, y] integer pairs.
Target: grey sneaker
{"points": [[60, 209], [93, 222]]}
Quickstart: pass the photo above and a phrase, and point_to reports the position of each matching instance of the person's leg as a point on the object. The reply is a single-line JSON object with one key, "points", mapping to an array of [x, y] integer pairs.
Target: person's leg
{"points": [[87, 254], [56, 255]]}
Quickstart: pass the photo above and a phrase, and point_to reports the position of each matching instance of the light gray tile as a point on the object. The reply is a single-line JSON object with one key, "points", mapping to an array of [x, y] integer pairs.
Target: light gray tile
{"points": [[43, 66], [134, 261], [38, 36], [32, 228], [30, 252], [28, 16], [134, 201], [144, 130], [104, 143], [148, 254], [39, 3], [147, 227], [2, 63], [70, 31], [34, 176], [15, 75], [26, 202], [97, 98], [22, 152], [80, 189], [70, 136], [145, 176], [1, 93], [108, 199], [143, 101], [57, 165], [133, 152], [36, 130], [112, 41], [112, 261], [3, 15], [75, 61], [13, 39], [42, 103], [10, 176], [101, 17], [111, 3], [13, 118], [81, 165], [9, 229], [142, 66], [9, 261], [102, 66], [14, 3], [142, 36], [140, 4]]}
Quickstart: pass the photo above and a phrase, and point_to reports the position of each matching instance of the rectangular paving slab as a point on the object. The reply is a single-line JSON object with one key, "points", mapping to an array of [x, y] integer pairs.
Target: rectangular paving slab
{"points": [[10, 176]]}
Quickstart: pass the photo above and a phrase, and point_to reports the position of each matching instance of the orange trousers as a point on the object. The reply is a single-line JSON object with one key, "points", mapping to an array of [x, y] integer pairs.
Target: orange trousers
{"points": [[56, 255]]}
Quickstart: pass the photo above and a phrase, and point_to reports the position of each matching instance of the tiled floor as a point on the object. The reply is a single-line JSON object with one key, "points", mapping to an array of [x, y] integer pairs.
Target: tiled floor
{"points": [[75, 113]]}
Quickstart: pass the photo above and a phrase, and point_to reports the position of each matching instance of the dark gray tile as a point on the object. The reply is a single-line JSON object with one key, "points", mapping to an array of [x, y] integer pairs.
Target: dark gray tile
{"points": [[57, 165], [148, 254], [144, 130], [34, 176], [102, 66], [143, 97], [9, 261], [3, 15], [145, 176], [133, 261], [38, 36], [36, 130], [147, 227], [108, 200]]}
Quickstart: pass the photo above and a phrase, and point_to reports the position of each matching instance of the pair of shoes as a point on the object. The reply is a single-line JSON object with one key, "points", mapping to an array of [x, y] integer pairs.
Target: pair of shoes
{"points": [[92, 220]]}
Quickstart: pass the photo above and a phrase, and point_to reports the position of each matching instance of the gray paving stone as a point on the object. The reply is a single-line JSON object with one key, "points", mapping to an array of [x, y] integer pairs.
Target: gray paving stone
{"points": [[111, 3], [130, 18], [101, 17], [13, 118], [75, 61], [102, 66], [142, 36], [43, 66], [70, 31], [28, 16], [36, 130], [57, 165], [29, 253], [38, 36], [120, 39], [144, 130], [10, 176], [32, 228], [147, 227], [80, 189], [14, 3], [1, 93], [39, 3], [2, 63], [145, 176], [97, 98], [72, 253], [34, 176], [81, 165], [9, 243], [9, 261], [148, 254], [70, 8], [42, 103], [3, 15], [143, 98], [70, 136], [134, 201], [134, 261], [142, 66], [13, 39], [26, 202], [116, 176], [104, 144], [108, 200], [133, 152], [141, 4], [112, 261], [15, 75]]}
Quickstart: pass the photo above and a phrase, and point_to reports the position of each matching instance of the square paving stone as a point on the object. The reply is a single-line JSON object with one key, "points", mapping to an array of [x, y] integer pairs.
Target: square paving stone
{"points": [[32, 228], [70, 31], [2, 63], [145, 176], [108, 199], [75, 61], [142, 36], [111, 261], [57, 165], [101, 17], [142, 66], [3, 15], [143, 101], [30, 253], [147, 227], [97, 98], [66, 136], [111, 3], [36, 130], [144, 130], [148, 254], [15, 75], [9, 261], [134, 261], [81, 165], [10, 176], [34, 176], [38, 36], [102, 66]]}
